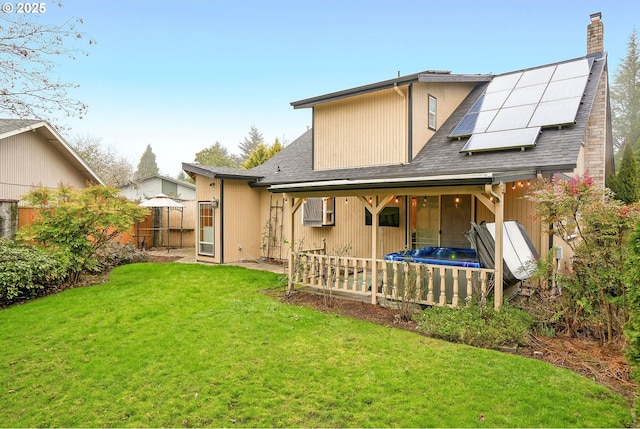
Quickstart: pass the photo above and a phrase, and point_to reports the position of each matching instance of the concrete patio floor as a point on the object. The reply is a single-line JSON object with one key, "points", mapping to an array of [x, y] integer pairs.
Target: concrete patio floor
{"points": [[187, 255]]}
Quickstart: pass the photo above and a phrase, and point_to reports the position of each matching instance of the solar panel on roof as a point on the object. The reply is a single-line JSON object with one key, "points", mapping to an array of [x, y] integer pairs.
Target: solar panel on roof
{"points": [[504, 83], [512, 118], [494, 100], [536, 76], [514, 105], [527, 95], [568, 88], [472, 123], [557, 112], [508, 139], [573, 69], [478, 104]]}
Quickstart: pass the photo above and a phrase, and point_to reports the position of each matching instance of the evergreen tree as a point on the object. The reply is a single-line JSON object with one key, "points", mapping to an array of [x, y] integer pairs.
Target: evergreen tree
{"points": [[184, 177], [250, 143], [147, 166], [625, 98], [218, 156], [257, 157], [625, 184], [275, 148], [261, 154]]}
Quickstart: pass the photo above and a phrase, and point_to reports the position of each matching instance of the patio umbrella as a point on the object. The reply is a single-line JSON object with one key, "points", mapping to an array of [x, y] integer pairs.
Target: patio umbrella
{"points": [[162, 201]]}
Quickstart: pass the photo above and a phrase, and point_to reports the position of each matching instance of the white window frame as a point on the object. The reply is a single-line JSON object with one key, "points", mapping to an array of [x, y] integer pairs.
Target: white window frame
{"points": [[432, 112], [206, 233]]}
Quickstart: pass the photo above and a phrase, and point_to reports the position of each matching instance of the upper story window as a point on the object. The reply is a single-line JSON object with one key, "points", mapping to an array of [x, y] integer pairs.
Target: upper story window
{"points": [[318, 212], [433, 112]]}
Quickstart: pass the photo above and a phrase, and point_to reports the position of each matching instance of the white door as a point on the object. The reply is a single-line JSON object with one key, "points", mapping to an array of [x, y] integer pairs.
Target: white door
{"points": [[205, 229]]}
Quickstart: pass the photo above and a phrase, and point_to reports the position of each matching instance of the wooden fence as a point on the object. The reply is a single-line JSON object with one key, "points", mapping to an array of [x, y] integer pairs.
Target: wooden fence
{"points": [[149, 232], [426, 284]]}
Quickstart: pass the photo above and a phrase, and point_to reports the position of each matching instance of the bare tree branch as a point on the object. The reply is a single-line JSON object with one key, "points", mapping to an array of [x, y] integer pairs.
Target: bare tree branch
{"points": [[29, 87]]}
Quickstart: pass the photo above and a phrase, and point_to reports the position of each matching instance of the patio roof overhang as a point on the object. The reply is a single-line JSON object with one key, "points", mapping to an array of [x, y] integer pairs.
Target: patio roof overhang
{"points": [[437, 182]]}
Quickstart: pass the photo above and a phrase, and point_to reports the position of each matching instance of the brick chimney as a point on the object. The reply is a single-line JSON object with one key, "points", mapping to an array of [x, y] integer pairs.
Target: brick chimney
{"points": [[595, 34]]}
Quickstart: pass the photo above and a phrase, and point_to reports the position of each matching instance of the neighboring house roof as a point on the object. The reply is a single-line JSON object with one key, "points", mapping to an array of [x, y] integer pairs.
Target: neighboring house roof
{"points": [[12, 127], [439, 162], [168, 179], [150, 186]]}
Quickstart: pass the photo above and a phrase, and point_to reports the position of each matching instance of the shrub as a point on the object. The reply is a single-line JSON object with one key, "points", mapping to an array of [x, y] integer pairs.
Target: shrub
{"points": [[116, 254], [476, 327], [632, 328], [79, 222], [596, 228], [28, 271]]}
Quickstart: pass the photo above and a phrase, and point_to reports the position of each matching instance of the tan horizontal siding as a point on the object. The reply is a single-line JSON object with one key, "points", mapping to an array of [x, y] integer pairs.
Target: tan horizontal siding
{"points": [[242, 221], [350, 231], [448, 95], [28, 161], [370, 129]]}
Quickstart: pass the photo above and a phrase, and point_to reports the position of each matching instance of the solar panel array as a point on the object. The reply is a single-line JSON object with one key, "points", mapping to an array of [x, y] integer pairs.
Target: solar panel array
{"points": [[514, 107]]}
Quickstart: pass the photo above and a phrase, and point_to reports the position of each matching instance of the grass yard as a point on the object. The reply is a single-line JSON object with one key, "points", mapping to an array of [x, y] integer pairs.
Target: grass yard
{"points": [[175, 345]]}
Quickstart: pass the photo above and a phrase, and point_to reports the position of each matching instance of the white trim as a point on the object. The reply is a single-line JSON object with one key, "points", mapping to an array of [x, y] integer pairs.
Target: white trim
{"points": [[401, 180]]}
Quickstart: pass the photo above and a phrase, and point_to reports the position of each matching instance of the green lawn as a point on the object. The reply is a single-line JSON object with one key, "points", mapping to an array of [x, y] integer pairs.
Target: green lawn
{"points": [[173, 345]]}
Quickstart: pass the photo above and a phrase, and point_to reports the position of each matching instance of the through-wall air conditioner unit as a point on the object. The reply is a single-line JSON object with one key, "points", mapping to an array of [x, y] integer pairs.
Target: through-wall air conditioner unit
{"points": [[317, 212]]}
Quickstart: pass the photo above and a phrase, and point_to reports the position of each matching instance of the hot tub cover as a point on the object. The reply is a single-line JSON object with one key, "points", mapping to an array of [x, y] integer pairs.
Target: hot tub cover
{"points": [[450, 256], [519, 253]]}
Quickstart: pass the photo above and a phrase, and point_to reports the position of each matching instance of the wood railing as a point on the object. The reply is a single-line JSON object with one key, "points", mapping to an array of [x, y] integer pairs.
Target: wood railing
{"points": [[427, 284]]}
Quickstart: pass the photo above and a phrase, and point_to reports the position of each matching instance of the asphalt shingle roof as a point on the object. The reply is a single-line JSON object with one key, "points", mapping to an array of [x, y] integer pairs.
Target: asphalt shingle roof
{"points": [[556, 150], [9, 125]]}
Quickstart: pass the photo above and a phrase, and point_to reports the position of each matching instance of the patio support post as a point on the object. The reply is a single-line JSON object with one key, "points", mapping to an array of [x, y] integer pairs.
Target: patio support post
{"points": [[375, 207], [293, 208], [374, 252], [498, 193]]}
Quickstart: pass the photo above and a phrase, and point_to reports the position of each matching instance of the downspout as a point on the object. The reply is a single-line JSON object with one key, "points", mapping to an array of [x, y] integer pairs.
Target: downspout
{"points": [[410, 122], [221, 221], [497, 192], [313, 137]]}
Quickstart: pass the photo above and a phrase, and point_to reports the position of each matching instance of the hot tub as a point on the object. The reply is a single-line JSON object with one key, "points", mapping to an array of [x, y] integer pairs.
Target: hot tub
{"points": [[450, 256]]}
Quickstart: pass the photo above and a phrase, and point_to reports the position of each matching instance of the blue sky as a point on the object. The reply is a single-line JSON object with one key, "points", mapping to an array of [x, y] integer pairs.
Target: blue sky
{"points": [[181, 75]]}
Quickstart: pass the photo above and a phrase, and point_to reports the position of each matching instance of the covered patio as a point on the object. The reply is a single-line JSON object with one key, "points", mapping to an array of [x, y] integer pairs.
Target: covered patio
{"points": [[377, 278]]}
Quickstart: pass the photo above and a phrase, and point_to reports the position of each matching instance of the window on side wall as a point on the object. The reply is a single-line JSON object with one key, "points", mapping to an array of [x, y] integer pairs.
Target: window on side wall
{"points": [[433, 112], [317, 212]]}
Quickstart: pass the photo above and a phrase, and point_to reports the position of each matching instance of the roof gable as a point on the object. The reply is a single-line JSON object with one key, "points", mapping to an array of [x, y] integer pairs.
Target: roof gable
{"points": [[441, 159], [557, 149], [12, 127]]}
